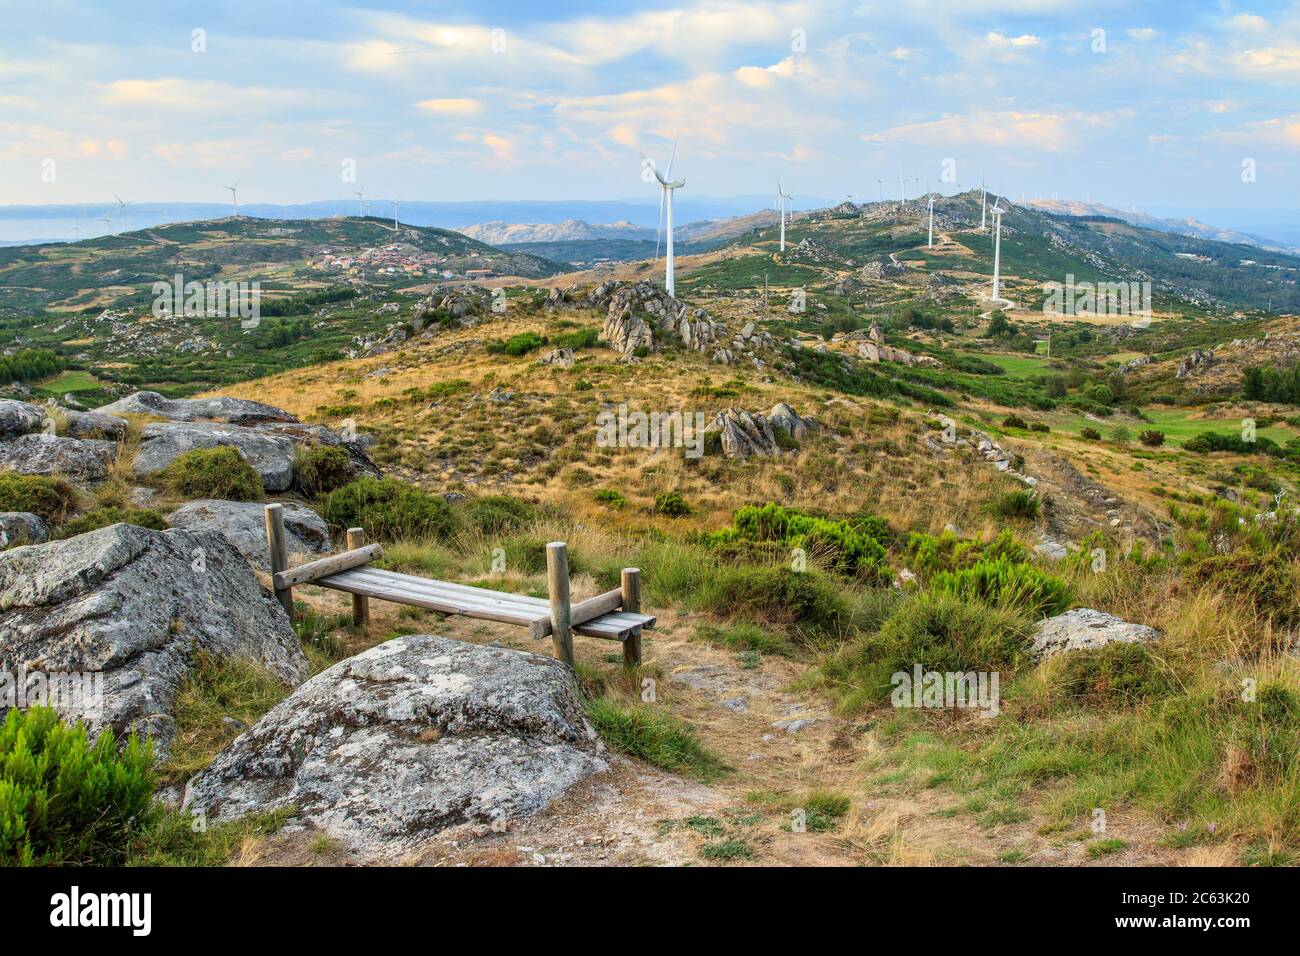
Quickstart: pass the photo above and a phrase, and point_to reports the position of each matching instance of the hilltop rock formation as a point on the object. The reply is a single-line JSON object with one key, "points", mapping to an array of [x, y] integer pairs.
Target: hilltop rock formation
{"points": [[412, 736], [135, 606], [640, 310], [1084, 628], [243, 524], [1195, 361]]}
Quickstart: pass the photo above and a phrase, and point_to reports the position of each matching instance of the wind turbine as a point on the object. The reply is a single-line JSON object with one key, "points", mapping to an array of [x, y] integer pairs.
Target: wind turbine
{"points": [[929, 243], [394, 201], [666, 187], [881, 184], [984, 203], [902, 189], [121, 207], [781, 197], [997, 248], [234, 198], [361, 202], [109, 220]]}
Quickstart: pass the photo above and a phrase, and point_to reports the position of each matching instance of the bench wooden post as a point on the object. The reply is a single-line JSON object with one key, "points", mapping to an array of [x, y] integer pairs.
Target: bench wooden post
{"points": [[360, 603], [557, 581], [632, 604], [279, 548]]}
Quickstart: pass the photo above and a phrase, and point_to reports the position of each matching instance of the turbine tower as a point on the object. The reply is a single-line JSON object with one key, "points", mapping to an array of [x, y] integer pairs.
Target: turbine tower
{"points": [[984, 204], [394, 201], [781, 197], [109, 220], [361, 202], [929, 243], [666, 187], [881, 184], [997, 249], [234, 198]]}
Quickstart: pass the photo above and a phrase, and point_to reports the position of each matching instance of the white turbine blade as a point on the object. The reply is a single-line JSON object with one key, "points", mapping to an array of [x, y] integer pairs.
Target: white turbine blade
{"points": [[669, 171]]}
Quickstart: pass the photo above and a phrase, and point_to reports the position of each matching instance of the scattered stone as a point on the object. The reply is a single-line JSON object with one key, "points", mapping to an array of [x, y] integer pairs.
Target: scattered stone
{"points": [[235, 411], [19, 418], [21, 527], [1085, 628], [37, 453]]}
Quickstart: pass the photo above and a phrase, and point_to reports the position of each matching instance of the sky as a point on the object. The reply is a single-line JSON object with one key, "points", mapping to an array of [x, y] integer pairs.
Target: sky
{"points": [[1167, 106]]}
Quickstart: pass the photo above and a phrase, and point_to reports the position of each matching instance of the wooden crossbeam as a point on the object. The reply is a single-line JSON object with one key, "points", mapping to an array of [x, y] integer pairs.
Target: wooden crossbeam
{"points": [[307, 573]]}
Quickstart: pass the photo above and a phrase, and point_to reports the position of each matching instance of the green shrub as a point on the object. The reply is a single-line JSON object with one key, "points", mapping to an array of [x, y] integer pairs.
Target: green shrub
{"points": [[499, 514], [1006, 583], [581, 339], [1039, 427], [49, 498], [1019, 505], [103, 517], [1268, 580], [939, 632], [849, 545], [1014, 421], [672, 504], [388, 509], [213, 473], [805, 601], [319, 469], [744, 637], [929, 554], [610, 497], [64, 799], [1151, 438], [517, 345], [1114, 673], [1088, 433]]}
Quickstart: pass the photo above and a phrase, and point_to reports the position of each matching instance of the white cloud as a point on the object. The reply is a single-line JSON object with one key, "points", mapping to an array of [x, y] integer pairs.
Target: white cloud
{"points": [[455, 106]]}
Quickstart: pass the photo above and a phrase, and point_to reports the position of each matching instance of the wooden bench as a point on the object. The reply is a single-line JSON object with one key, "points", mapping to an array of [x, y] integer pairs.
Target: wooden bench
{"points": [[613, 616]]}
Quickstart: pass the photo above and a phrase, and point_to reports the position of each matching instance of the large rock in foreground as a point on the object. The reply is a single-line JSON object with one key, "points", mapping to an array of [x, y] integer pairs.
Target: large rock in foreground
{"points": [[18, 418], [81, 459], [410, 737], [270, 455], [1084, 629], [243, 524], [135, 606], [222, 408]]}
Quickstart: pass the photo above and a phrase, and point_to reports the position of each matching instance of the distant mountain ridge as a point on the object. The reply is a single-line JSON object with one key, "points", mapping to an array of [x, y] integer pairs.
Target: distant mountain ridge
{"points": [[502, 233], [1183, 227]]}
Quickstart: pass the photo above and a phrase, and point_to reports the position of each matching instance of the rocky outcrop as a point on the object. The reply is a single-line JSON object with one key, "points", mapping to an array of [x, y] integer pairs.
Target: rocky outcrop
{"points": [[94, 425], [560, 358], [135, 606], [243, 524], [1195, 361], [420, 733], [641, 311], [19, 418], [235, 411], [269, 448], [42, 454], [742, 434], [270, 455], [21, 527], [1085, 628]]}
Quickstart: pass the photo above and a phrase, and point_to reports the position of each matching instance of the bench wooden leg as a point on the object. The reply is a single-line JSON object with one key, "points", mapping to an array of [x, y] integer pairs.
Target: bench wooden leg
{"points": [[557, 581], [279, 548], [360, 603], [632, 603]]}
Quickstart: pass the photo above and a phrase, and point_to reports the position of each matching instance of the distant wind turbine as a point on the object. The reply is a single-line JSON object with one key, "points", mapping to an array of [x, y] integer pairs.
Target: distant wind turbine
{"points": [[881, 184], [984, 203], [121, 207], [109, 220], [394, 201], [667, 185], [234, 198], [361, 202], [782, 197], [929, 244]]}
